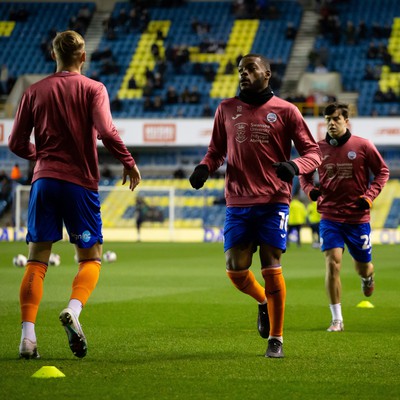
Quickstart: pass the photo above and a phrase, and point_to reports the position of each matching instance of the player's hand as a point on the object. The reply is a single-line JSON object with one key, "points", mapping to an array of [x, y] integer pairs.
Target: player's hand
{"points": [[286, 170], [133, 175], [199, 176], [363, 203], [314, 194]]}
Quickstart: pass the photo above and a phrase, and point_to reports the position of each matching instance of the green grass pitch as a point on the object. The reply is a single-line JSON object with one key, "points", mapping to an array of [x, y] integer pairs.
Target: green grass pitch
{"points": [[165, 323]]}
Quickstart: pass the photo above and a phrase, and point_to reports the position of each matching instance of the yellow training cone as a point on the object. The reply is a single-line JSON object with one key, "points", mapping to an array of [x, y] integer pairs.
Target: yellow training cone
{"points": [[365, 304], [48, 372]]}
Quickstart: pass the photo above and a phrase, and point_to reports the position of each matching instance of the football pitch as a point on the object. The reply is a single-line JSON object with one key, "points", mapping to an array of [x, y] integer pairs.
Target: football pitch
{"points": [[166, 323]]}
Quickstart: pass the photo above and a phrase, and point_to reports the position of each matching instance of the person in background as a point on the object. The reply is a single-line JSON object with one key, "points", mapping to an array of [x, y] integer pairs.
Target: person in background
{"points": [[297, 219], [141, 211], [254, 133], [67, 112], [345, 196], [313, 219], [16, 174]]}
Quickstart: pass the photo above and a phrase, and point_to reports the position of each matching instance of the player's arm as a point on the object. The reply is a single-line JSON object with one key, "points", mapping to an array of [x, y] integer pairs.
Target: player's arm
{"points": [[308, 187], [19, 140], [310, 154], [133, 175], [107, 132], [380, 171], [215, 154]]}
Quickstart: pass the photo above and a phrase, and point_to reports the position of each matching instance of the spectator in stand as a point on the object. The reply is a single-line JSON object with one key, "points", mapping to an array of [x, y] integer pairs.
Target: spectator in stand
{"points": [[185, 96], [148, 88], [133, 19], [161, 66], [158, 81], [350, 33], [209, 73], [160, 35], [372, 72], [230, 68], [362, 30], [194, 95], [109, 67], [122, 18], [4, 79], [132, 83], [320, 69], [373, 51], [291, 31], [155, 51], [207, 111], [147, 104], [391, 96], [149, 74], [144, 20], [158, 104], [379, 96], [116, 104], [76, 25], [99, 54], [84, 16], [171, 96]]}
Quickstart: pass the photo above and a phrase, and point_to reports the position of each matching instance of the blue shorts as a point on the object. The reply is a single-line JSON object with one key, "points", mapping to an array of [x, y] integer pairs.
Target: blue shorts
{"points": [[357, 238], [53, 202], [264, 224]]}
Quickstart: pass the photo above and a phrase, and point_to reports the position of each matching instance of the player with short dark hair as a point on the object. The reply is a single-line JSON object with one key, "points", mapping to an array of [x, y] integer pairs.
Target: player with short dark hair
{"points": [[254, 132], [345, 195], [67, 112]]}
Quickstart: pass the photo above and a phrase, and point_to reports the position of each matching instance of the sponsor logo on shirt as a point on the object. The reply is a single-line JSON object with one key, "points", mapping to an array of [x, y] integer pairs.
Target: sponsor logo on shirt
{"points": [[241, 132], [260, 133], [238, 113], [271, 117], [339, 171], [351, 155]]}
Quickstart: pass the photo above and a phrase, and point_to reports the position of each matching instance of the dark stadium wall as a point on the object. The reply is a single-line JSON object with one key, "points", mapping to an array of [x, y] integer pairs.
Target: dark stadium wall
{"points": [[102, 5]]}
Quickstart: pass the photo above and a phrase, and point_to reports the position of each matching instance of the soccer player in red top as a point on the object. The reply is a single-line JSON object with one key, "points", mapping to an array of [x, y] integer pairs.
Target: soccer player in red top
{"points": [[68, 113], [254, 132], [345, 195]]}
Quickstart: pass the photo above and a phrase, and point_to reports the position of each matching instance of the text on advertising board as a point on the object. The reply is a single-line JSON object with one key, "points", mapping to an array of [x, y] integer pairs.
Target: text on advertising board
{"points": [[159, 133]]}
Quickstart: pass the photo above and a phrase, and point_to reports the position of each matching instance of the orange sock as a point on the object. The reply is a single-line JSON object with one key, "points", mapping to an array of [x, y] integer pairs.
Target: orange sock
{"points": [[85, 280], [275, 290], [246, 282], [31, 290]]}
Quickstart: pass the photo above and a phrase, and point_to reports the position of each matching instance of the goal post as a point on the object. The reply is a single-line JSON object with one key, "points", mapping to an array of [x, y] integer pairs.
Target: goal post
{"points": [[173, 212]]}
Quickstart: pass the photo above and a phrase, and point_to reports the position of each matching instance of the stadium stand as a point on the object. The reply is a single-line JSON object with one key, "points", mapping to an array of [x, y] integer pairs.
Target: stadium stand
{"points": [[351, 30], [189, 58]]}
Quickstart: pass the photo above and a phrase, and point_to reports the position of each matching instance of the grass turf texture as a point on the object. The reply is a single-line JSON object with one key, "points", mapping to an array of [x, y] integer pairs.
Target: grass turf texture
{"points": [[165, 323]]}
